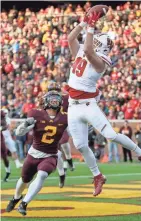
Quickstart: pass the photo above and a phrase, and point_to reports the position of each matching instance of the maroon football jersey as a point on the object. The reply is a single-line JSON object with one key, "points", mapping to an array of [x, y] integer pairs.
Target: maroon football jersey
{"points": [[29, 137], [65, 138], [3, 120], [3, 147], [47, 132], [65, 103]]}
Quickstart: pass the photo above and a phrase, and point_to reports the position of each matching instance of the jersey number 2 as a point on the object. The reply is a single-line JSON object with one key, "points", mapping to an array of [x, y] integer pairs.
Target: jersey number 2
{"points": [[79, 66], [51, 131]]}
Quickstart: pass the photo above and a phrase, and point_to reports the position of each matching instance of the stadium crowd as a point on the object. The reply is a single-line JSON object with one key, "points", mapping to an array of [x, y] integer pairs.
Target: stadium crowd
{"points": [[35, 52]]}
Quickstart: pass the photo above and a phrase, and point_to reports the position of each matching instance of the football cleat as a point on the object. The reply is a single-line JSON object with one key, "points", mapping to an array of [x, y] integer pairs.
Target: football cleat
{"points": [[6, 177], [22, 208], [12, 204], [99, 181], [62, 181]]}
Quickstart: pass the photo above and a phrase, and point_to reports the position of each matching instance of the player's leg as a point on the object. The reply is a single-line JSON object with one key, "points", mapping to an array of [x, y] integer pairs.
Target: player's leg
{"points": [[10, 144], [124, 154], [45, 167], [78, 127], [130, 155], [110, 150], [28, 171], [97, 118], [20, 146], [67, 151], [116, 152], [6, 164], [7, 168], [65, 163], [61, 170], [5, 159]]}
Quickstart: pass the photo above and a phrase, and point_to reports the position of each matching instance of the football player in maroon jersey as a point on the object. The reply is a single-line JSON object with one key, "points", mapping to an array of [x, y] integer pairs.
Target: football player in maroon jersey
{"points": [[48, 125], [64, 142], [60, 164], [3, 147]]}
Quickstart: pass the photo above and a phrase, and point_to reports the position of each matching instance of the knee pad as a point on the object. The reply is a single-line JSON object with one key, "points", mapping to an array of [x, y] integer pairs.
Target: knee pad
{"points": [[109, 133]]}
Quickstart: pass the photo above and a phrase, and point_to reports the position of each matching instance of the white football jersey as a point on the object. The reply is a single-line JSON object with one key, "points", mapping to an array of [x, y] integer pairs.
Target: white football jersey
{"points": [[83, 76]]}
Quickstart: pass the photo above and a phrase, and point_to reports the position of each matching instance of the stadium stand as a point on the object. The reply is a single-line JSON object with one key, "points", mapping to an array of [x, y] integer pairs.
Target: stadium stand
{"points": [[35, 52]]}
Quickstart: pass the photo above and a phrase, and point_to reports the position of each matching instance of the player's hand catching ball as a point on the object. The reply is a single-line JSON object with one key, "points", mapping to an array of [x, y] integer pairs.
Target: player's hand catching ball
{"points": [[93, 18]]}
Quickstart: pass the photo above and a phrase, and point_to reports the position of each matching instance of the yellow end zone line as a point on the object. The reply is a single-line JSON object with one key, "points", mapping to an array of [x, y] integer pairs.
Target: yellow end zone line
{"points": [[74, 209]]}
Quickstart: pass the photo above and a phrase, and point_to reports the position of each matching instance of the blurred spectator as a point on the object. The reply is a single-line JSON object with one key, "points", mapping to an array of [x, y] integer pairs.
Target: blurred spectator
{"points": [[91, 137], [128, 111], [113, 147], [27, 107], [138, 135], [34, 51], [100, 143], [20, 142], [126, 130]]}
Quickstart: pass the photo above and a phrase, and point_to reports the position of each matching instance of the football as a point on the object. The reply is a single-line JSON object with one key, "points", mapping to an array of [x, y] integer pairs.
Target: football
{"points": [[99, 8]]}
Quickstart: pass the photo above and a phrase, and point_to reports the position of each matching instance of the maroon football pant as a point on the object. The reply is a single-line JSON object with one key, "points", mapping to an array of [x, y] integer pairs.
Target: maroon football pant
{"points": [[32, 165], [4, 152]]}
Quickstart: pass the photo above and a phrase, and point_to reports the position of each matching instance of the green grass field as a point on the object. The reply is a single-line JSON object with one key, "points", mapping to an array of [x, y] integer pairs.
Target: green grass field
{"points": [[119, 201]]}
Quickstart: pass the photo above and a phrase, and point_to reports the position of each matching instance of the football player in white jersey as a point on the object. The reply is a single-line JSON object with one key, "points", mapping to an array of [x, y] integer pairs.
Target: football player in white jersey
{"points": [[91, 60], [9, 142]]}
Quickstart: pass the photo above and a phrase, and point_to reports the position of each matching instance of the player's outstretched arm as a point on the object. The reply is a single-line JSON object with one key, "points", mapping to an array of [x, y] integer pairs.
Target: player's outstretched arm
{"points": [[25, 127], [94, 59], [72, 37]]}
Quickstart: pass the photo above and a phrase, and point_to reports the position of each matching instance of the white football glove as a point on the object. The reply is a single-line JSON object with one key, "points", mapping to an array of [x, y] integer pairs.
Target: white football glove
{"points": [[25, 127], [29, 121]]}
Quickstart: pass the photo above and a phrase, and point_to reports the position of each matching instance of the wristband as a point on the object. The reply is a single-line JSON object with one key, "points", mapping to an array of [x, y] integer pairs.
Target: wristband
{"points": [[83, 24], [90, 30]]}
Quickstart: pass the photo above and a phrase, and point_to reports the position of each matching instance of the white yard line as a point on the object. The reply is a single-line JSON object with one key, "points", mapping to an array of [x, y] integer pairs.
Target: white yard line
{"points": [[81, 177]]}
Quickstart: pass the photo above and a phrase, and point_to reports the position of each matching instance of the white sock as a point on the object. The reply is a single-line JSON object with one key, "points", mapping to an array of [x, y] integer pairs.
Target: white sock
{"points": [[7, 169], [17, 162], [65, 165], [60, 165], [35, 186], [127, 143], [67, 150], [90, 159], [19, 188]]}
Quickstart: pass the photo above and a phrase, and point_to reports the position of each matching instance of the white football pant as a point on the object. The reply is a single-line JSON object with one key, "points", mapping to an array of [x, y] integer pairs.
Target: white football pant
{"points": [[9, 142], [79, 115], [87, 111]]}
